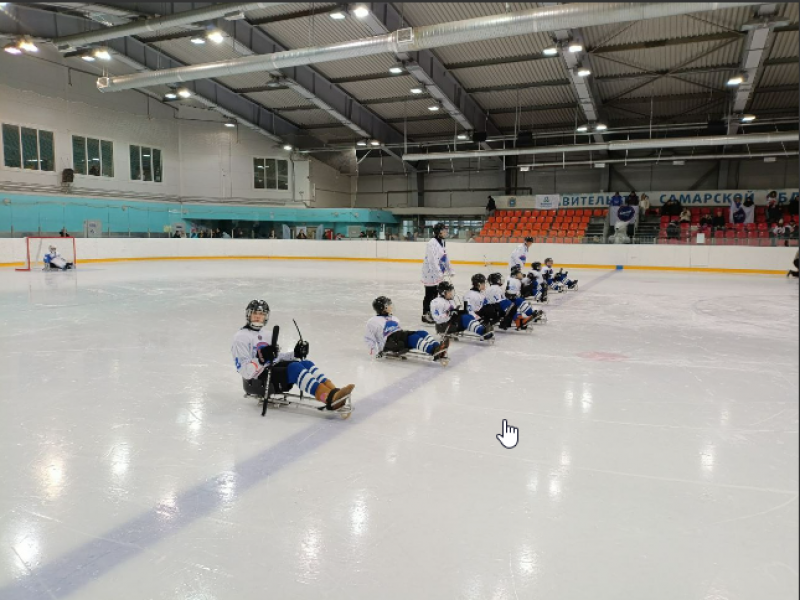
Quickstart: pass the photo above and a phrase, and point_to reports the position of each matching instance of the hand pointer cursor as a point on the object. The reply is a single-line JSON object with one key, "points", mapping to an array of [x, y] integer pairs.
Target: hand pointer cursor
{"points": [[509, 436]]}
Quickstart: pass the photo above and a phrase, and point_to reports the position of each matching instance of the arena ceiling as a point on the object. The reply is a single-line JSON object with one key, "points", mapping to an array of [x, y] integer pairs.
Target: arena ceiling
{"points": [[666, 74]]}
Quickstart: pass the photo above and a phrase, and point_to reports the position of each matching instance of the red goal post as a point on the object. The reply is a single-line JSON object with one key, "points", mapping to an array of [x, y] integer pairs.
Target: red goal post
{"points": [[37, 246]]}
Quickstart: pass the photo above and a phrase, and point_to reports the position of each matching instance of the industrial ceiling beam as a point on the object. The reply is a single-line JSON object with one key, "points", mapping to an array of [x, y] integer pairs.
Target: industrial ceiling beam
{"points": [[432, 75], [19, 19]]}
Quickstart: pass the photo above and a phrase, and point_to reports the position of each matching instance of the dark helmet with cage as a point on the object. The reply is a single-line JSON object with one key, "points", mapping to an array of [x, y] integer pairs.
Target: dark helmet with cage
{"points": [[548, 262], [381, 305], [528, 240], [254, 307], [478, 280], [536, 265], [439, 228], [516, 270], [444, 287], [495, 279]]}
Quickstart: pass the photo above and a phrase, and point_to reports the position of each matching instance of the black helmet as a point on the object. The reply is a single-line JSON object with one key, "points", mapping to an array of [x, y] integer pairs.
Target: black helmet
{"points": [[548, 260], [515, 270], [495, 279], [380, 304], [478, 280], [255, 306], [438, 228], [528, 240], [444, 287], [536, 265]]}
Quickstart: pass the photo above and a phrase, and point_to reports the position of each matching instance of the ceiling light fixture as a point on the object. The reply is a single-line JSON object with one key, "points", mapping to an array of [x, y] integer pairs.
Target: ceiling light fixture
{"points": [[583, 128], [197, 40], [599, 165], [12, 49], [184, 93], [28, 46], [525, 168], [575, 48], [433, 108], [737, 80], [287, 147], [102, 54], [374, 143], [748, 118], [770, 159], [678, 163], [230, 124], [396, 69], [88, 58], [361, 11], [600, 127], [416, 90], [361, 143], [337, 15], [462, 136], [551, 51], [584, 72], [215, 36], [171, 96]]}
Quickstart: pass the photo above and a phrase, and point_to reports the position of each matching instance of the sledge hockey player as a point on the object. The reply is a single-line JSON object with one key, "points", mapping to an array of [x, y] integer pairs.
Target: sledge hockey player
{"points": [[384, 334], [434, 268], [54, 260], [560, 277], [533, 285], [479, 306], [548, 273], [525, 312], [253, 354], [520, 255], [495, 294], [451, 319]]}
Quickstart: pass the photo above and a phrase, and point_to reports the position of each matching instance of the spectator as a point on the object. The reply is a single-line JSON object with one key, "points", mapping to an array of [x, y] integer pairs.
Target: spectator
{"points": [[706, 221], [301, 235], [644, 204], [490, 206], [616, 200], [671, 208], [673, 230], [272, 234], [363, 234], [793, 207], [686, 216], [339, 236], [63, 232], [778, 230], [226, 235], [632, 199], [774, 212], [218, 233], [177, 234], [748, 202], [718, 222]]}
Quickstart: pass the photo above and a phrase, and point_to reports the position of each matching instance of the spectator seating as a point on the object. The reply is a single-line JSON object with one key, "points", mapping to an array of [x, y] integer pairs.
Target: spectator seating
{"points": [[750, 234], [566, 226]]}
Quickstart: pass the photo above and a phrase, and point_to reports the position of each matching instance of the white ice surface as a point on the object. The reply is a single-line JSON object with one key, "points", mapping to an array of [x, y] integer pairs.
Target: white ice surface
{"points": [[658, 453]]}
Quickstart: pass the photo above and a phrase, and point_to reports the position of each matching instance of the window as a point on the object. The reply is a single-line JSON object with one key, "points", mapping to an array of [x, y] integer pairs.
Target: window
{"points": [[146, 164], [270, 174], [92, 157], [28, 148]]}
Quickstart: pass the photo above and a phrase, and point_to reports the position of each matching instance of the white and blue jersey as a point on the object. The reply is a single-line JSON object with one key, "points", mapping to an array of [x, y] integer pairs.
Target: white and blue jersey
{"points": [[475, 301], [436, 264], [442, 310], [519, 257], [514, 289], [380, 327]]}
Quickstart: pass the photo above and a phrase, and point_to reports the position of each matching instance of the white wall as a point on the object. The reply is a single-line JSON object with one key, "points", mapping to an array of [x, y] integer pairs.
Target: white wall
{"points": [[328, 187], [202, 159], [572, 255]]}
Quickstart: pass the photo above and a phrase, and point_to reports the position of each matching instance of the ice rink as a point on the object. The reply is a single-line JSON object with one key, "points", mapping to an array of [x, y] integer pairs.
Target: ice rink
{"points": [[657, 455]]}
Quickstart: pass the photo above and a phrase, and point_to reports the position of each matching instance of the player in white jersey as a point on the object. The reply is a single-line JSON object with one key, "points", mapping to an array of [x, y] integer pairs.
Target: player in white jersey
{"points": [[450, 319], [54, 260], [496, 294], [478, 305], [533, 284], [254, 356], [520, 255], [560, 277], [434, 268], [525, 312], [384, 334]]}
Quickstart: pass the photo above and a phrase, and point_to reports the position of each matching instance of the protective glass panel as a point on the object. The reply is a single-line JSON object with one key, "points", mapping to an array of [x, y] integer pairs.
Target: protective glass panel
{"points": [[11, 150], [30, 149], [283, 175], [47, 153], [136, 163], [157, 166], [79, 154], [147, 164], [258, 173], [272, 182], [93, 156], [107, 158]]}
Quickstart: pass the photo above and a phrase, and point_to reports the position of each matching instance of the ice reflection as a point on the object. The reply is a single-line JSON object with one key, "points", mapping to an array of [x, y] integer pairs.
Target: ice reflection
{"points": [[359, 515], [52, 476], [168, 506], [565, 458], [27, 547], [554, 489], [533, 482], [568, 398], [226, 487], [586, 398], [528, 561], [707, 457]]}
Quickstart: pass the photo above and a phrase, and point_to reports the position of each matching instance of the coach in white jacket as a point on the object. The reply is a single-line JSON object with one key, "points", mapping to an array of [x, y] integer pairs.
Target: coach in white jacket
{"points": [[434, 268]]}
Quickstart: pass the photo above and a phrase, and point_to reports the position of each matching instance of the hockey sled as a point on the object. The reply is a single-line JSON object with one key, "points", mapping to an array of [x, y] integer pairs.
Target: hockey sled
{"points": [[414, 356]]}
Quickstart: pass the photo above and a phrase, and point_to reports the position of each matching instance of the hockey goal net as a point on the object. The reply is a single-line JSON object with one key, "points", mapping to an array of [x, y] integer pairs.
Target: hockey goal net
{"points": [[37, 247]]}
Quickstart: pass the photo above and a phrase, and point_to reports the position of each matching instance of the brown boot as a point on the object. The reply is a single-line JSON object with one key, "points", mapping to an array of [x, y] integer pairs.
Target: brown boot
{"points": [[522, 321], [338, 397], [441, 351]]}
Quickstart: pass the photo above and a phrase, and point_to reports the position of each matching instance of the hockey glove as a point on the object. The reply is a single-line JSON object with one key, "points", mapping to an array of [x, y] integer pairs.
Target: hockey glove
{"points": [[267, 354], [301, 350]]}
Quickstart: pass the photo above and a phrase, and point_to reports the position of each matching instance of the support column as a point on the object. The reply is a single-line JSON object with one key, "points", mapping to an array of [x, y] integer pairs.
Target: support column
{"points": [[420, 188]]}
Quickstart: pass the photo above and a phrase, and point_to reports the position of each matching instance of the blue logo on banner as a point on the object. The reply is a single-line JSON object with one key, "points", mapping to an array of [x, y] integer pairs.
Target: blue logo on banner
{"points": [[625, 213], [512, 201]]}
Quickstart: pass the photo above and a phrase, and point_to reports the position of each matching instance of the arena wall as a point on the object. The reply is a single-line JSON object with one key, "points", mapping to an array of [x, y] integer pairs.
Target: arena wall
{"points": [[699, 258]]}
